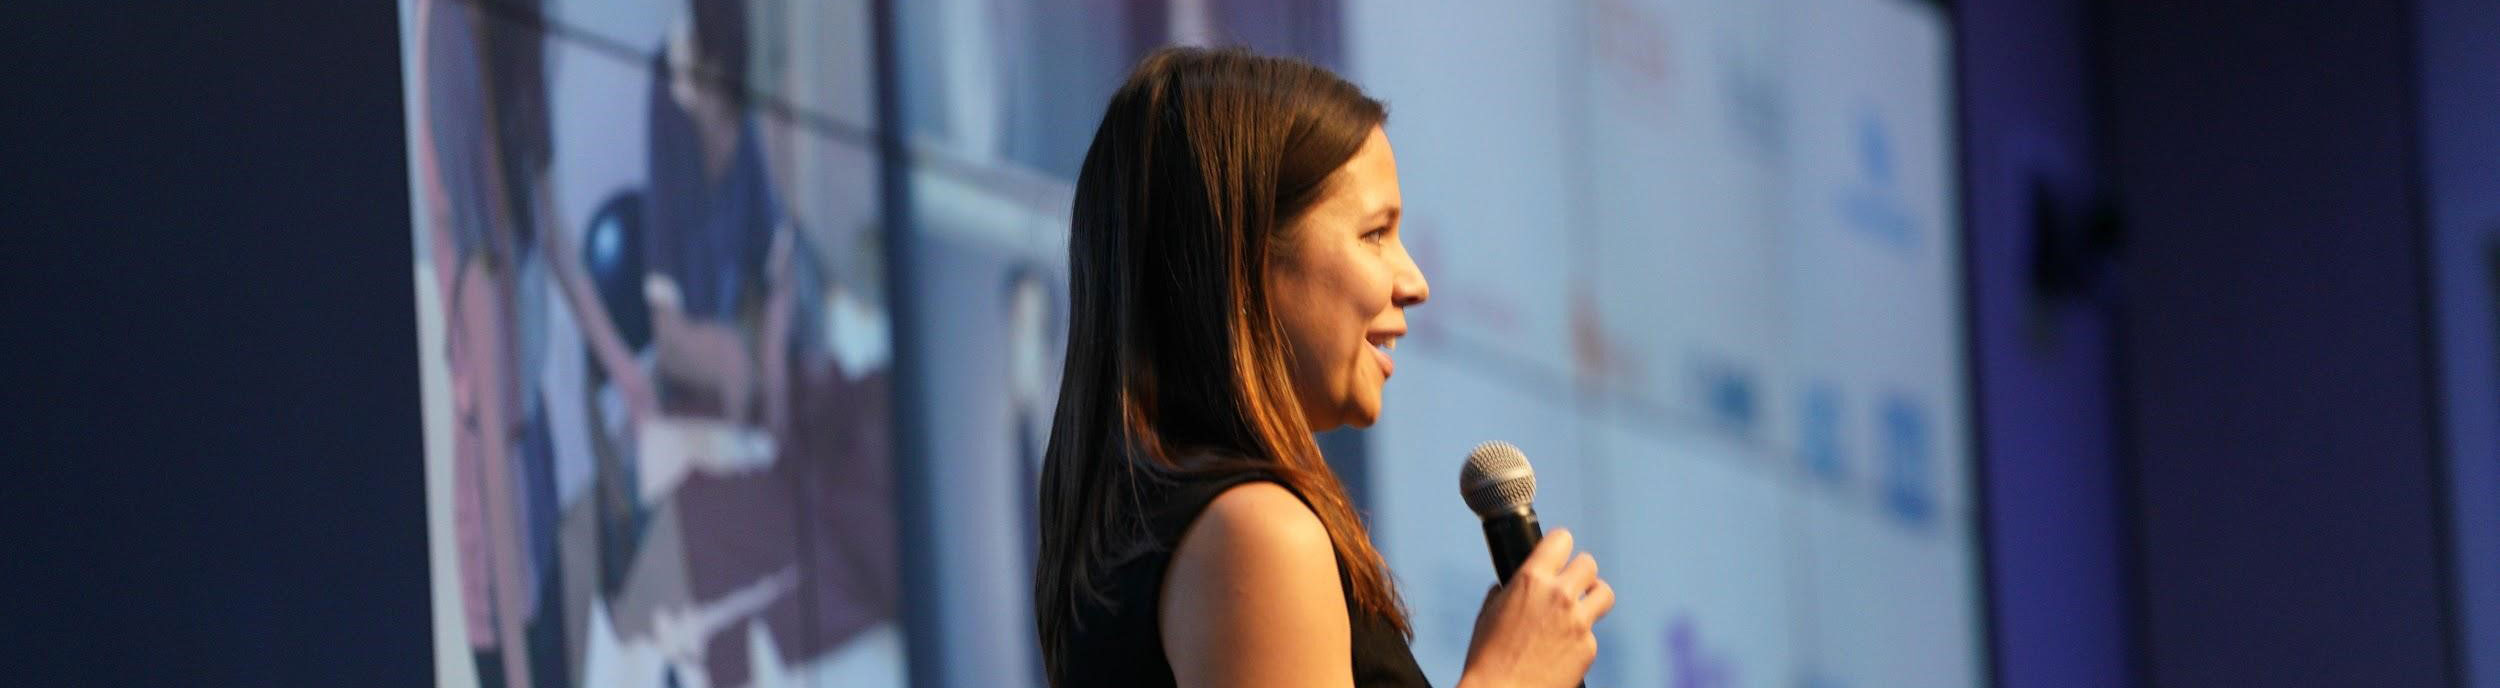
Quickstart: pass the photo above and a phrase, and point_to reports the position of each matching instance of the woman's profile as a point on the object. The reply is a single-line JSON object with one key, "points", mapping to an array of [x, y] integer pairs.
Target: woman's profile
{"points": [[1237, 283]]}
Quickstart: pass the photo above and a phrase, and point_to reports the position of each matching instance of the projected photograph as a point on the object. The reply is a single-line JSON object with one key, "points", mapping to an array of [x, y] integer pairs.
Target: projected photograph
{"points": [[654, 343]]}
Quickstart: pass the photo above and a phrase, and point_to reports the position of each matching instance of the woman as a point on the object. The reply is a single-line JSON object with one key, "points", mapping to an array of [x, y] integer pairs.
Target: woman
{"points": [[1238, 282]]}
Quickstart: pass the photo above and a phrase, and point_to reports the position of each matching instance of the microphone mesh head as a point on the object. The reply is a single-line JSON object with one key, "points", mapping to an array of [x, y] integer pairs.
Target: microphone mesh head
{"points": [[1496, 479]]}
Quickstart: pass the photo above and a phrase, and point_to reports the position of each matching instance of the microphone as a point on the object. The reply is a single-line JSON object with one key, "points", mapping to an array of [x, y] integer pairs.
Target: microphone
{"points": [[1499, 486]]}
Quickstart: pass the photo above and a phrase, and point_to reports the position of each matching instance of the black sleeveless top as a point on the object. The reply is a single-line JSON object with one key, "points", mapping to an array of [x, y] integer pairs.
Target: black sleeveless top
{"points": [[1123, 645]]}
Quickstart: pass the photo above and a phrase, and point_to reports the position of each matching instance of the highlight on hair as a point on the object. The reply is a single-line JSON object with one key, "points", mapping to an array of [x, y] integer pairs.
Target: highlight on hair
{"points": [[1176, 365]]}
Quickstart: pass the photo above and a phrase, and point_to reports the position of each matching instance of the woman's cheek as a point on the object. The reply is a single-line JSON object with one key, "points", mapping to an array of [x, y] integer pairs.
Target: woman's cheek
{"points": [[1376, 286]]}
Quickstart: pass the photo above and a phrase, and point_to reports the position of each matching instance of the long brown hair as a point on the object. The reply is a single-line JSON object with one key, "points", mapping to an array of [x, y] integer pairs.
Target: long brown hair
{"points": [[1176, 366]]}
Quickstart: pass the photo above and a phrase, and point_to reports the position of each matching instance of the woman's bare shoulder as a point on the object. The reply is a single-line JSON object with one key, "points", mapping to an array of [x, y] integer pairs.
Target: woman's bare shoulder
{"points": [[1252, 596], [1261, 518]]}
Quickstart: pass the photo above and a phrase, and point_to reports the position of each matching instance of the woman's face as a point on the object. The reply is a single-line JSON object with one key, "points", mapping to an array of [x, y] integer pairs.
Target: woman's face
{"points": [[1341, 283]]}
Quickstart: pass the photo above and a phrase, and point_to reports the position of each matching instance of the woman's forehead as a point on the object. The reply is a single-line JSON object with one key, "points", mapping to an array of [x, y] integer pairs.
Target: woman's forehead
{"points": [[1367, 185]]}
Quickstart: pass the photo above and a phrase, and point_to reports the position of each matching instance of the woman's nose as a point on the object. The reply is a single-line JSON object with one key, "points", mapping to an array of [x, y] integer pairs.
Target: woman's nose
{"points": [[1410, 289]]}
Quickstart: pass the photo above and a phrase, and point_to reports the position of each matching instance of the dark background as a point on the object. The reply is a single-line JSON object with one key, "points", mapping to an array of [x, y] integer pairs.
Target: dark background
{"points": [[211, 429], [2232, 334]]}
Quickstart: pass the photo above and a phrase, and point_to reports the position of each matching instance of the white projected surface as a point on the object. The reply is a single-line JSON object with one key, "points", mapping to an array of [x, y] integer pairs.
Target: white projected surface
{"points": [[1700, 259]]}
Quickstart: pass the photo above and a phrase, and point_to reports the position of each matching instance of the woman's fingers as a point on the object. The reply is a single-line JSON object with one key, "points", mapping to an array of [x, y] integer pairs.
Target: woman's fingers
{"points": [[1550, 552], [1578, 575], [1601, 600]]}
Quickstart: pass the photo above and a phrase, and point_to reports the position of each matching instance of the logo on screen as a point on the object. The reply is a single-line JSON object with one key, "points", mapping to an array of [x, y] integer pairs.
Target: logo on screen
{"points": [[1909, 466], [1689, 664], [1729, 396], [1872, 205]]}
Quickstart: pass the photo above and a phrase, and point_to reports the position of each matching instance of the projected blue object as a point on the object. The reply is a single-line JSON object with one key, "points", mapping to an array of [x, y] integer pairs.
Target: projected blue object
{"points": [[1872, 206], [1909, 470]]}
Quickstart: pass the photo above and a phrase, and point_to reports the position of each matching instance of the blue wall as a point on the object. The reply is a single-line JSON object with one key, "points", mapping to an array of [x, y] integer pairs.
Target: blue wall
{"points": [[210, 444], [2045, 386], [2460, 101], [2277, 353]]}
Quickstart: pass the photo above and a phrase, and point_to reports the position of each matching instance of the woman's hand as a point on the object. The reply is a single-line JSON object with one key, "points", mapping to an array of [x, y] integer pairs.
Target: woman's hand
{"points": [[1534, 632]]}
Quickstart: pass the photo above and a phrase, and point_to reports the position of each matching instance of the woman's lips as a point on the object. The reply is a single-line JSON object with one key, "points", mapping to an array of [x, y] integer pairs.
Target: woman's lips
{"points": [[1388, 366]]}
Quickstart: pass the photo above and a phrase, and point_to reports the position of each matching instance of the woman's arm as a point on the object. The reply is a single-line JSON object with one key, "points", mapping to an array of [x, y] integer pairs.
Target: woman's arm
{"points": [[1251, 598]]}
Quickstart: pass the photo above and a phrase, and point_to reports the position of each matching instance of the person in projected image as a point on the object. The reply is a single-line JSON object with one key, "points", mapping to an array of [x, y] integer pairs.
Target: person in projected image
{"points": [[718, 227], [1033, 333], [770, 457], [1033, 336], [484, 151]]}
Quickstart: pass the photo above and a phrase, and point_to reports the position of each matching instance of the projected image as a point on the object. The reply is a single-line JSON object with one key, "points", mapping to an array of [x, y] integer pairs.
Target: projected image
{"points": [[654, 342], [1700, 260]]}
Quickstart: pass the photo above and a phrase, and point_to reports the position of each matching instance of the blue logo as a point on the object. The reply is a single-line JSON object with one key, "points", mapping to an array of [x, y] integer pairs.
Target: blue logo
{"points": [[1729, 393], [1757, 106], [1689, 665], [1909, 463], [1873, 206]]}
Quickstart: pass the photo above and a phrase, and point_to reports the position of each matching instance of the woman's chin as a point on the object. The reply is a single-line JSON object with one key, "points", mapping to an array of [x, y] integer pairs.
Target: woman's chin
{"points": [[1361, 415]]}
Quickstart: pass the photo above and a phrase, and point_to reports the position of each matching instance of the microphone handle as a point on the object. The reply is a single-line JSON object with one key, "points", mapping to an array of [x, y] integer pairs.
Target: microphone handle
{"points": [[1510, 536]]}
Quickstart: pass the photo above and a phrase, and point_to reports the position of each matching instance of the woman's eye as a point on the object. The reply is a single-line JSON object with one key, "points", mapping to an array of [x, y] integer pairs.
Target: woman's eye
{"points": [[1376, 234]]}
